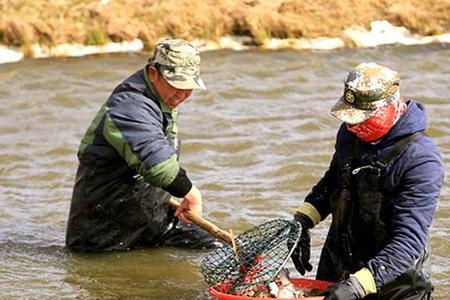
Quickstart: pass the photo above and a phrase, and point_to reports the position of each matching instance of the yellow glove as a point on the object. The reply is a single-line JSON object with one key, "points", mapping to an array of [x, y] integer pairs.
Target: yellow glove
{"points": [[366, 280]]}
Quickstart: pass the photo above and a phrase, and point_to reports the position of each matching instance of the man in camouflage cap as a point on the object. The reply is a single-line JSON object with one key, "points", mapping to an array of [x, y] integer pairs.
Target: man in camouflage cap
{"points": [[128, 162], [179, 63], [367, 87], [381, 189]]}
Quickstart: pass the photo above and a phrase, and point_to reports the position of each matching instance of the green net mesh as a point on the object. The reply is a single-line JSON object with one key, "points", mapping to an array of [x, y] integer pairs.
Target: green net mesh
{"points": [[261, 253]]}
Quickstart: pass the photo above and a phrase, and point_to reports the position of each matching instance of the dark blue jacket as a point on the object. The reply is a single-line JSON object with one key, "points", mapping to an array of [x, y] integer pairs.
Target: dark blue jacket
{"points": [[412, 180]]}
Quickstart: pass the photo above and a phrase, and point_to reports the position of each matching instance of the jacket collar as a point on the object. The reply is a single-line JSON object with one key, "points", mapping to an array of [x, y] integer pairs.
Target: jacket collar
{"points": [[152, 90], [414, 119]]}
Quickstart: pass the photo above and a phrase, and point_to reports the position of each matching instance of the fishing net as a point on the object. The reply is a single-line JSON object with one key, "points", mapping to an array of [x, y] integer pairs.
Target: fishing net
{"points": [[261, 253]]}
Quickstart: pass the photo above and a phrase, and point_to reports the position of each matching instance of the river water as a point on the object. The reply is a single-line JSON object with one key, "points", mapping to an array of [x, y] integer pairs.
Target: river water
{"points": [[255, 142]]}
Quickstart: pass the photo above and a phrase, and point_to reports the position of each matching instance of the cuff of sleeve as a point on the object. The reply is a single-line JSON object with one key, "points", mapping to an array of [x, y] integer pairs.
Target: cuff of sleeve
{"points": [[310, 211], [366, 280], [180, 186]]}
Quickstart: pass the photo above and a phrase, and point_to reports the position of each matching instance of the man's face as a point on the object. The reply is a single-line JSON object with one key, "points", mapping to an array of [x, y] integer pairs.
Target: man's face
{"points": [[171, 96]]}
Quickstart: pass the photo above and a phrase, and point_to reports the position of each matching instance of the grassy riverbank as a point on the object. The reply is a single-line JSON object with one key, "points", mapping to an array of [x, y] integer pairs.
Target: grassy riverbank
{"points": [[26, 22]]}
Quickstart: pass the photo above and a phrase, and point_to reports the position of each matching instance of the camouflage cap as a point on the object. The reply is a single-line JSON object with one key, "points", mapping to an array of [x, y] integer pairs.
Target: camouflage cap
{"points": [[179, 62], [367, 87]]}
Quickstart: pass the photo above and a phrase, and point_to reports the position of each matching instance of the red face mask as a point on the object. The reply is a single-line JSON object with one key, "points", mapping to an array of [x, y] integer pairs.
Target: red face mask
{"points": [[379, 123]]}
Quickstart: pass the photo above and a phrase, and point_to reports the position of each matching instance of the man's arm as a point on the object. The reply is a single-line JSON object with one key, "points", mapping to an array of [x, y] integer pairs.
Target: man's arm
{"points": [[413, 211], [135, 130]]}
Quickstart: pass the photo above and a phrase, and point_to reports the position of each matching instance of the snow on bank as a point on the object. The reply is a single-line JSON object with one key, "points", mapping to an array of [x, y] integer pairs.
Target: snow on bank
{"points": [[81, 50], [384, 33], [68, 50], [381, 33], [9, 54]]}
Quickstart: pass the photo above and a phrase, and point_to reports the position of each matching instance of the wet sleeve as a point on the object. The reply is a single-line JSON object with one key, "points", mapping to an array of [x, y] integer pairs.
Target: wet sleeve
{"points": [[413, 211], [135, 129], [180, 186]]}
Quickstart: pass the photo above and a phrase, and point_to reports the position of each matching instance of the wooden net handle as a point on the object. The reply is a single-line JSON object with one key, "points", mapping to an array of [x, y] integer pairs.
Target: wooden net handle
{"points": [[203, 223]]}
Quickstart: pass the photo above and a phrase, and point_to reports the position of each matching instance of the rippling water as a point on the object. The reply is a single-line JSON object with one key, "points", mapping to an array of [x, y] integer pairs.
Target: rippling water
{"points": [[257, 140]]}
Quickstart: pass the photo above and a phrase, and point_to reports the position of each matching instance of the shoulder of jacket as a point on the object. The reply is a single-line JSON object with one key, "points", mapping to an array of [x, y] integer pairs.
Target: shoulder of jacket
{"points": [[420, 151], [132, 98], [134, 103], [423, 147]]}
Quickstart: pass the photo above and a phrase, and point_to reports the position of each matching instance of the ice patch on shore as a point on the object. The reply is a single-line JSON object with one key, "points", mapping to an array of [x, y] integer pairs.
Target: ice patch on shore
{"points": [[245, 42], [317, 44], [68, 50], [10, 54], [384, 33], [237, 43]]}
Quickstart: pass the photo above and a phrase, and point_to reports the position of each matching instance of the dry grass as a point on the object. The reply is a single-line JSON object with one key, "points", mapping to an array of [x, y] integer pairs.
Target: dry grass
{"points": [[24, 22]]}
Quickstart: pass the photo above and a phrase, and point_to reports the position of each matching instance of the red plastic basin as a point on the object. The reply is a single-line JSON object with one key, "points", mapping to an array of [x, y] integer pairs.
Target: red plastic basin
{"points": [[298, 282]]}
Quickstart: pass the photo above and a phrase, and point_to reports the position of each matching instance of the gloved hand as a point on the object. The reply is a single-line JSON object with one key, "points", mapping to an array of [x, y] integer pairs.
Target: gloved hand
{"points": [[302, 252], [349, 289]]}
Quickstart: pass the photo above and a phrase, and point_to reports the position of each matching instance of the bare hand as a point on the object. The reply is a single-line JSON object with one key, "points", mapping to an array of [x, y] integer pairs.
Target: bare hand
{"points": [[192, 202]]}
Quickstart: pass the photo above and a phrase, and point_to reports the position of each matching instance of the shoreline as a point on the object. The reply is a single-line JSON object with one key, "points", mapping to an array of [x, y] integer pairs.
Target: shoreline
{"points": [[380, 33]]}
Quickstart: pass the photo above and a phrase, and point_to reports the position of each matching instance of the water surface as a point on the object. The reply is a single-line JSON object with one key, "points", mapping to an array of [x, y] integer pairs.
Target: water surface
{"points": [[255, 142]]}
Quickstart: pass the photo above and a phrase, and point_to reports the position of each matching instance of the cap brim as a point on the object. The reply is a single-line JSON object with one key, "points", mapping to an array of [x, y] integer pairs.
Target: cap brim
{"points": [[184, 82], [345, 112]]}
